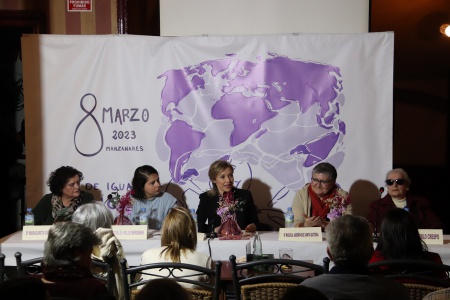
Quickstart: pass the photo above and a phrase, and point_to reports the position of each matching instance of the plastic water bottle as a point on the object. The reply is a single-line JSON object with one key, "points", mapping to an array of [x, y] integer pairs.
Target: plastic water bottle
{"points": [[289, 218], [143, 220], [194, 216], [257, 245], [29, 217]]}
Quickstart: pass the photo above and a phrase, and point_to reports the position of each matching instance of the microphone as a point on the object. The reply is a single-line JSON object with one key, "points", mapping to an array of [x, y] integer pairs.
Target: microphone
{"points": [[381, 190]]}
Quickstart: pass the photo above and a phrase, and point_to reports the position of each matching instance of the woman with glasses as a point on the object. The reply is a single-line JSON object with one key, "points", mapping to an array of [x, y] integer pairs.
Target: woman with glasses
{"points": [[311, 204], [397, 184]]}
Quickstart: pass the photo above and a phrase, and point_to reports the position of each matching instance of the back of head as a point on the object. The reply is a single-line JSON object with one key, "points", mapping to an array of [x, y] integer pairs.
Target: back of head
{"points": [[140, 177], [350, 241], [178, 232], [399, 236], [163, 289], [93, 215], [65, 243], [326, 168], [301, 292]]}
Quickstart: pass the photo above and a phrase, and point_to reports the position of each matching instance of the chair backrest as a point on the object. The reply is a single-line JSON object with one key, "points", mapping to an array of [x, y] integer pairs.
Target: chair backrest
{"points": [[211, 284], [419, 291], [28, 267], [413, 271], [263, 276], [2, 268], [34, 266]]}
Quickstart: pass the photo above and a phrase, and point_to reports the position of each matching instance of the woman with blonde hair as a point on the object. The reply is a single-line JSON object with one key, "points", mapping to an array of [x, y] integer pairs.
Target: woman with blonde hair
{"points": [[178, 245]]}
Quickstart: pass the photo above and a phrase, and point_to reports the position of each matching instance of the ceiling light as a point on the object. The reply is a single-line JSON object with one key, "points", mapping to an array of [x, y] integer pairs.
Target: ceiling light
{"points": [[445, 29]]}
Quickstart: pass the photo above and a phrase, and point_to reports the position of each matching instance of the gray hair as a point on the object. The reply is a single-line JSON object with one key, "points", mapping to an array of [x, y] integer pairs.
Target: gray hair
{"points": [[404, 175], [93, 215], [326, 168], [65, 242], [350, 241]]}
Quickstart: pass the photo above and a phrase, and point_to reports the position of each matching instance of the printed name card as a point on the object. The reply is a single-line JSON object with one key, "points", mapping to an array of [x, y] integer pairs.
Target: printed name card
{"points": [[35, 233], [130, 232], [300, 234], [432, 236]]}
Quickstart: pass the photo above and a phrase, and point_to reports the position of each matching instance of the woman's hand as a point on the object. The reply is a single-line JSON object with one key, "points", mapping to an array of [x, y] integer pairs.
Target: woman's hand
{"points": [[313, 221], [250, 228]]}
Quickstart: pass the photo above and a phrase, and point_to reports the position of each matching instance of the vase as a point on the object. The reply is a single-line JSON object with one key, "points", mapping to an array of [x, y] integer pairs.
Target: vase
{"points": [[229, 228], [122, 220]]}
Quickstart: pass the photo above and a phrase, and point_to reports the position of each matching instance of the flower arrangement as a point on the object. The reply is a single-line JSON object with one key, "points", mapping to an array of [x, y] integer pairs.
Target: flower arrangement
{"points": [[122, 204], [228, 206], [338, 206]]}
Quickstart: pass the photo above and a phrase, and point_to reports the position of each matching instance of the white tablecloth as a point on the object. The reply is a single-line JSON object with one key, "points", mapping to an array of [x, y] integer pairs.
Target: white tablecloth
{"points": [[220, 250]]}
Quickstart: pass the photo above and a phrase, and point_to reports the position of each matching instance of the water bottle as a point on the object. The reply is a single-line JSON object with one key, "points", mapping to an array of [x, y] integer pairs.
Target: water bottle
{"points": [[257, 245], [289, 218], [194, 216], [29, 217], [143, 220]]}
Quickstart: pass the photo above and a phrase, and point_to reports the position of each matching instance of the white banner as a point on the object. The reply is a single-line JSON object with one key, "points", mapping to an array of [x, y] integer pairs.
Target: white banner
{"points": [[273, 105]]}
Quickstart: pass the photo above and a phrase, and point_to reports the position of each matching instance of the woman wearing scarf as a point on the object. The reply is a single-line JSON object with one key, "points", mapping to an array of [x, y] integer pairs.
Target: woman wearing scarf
{"points": [[65, 197], [311, 203]]}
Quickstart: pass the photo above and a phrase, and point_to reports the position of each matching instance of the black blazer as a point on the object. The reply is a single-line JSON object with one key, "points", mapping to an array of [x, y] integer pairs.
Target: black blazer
{"points": [[207, 216]]}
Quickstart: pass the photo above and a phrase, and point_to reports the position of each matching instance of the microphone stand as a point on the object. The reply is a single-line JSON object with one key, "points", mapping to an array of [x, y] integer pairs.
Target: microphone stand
{"points": [[375, 231]]}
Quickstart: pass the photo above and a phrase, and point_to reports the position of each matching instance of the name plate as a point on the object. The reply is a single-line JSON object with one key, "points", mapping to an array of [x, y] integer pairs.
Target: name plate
{"points": [[300, 234], [432, 236], [35, 233], [130, 232]]}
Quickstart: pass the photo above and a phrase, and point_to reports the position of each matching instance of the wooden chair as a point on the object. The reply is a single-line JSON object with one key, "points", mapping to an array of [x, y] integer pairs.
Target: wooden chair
{"points": [[2, 268], [413, 271], [34, 267], [207, 289], [269, 278]]}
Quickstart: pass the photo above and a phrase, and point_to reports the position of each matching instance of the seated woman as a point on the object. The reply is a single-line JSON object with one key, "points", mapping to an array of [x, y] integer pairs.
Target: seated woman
{"points": [[222, 179], [67, 262], [311, 203], [148, 195], [65, 197], [99, 219], [399, 239], [178, 244], [398, 183]]}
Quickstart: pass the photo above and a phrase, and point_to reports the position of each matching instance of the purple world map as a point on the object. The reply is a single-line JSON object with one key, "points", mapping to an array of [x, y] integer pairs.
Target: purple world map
{"points": [[277, 113]]}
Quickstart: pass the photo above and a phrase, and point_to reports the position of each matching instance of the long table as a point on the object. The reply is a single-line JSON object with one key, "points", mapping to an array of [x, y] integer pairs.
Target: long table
{"points": [[220, 249]]}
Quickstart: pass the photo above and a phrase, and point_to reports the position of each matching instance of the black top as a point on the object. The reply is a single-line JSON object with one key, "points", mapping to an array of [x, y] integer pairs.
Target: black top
{"points": [[207, 216]]}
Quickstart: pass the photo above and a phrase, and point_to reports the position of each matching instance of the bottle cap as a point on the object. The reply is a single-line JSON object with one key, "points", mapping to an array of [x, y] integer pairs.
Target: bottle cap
{"points": [[192, 209], [28, 209], [143, 209]]}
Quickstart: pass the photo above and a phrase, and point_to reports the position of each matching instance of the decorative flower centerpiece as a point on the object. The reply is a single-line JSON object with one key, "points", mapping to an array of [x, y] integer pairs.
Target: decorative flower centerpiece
{"points": [[228, 206], [338, 206], [123, 205]]}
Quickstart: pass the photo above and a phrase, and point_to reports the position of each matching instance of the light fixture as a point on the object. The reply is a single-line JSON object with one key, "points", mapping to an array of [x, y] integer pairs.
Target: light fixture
{"points": [[445, 29]]}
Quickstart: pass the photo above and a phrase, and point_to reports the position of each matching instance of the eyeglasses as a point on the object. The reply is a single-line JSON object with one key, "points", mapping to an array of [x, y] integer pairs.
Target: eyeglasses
{"points": [[398, 181], [315, 180]]}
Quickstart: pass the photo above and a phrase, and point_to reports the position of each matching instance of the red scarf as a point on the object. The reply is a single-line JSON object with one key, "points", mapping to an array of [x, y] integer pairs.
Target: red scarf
{"points": [[320, 207]]}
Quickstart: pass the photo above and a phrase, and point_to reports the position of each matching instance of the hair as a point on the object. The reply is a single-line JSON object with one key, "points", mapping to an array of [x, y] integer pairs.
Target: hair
{"points": [[301, 292], [326, 168], [65, 242], [350, 241], [404, 175], [399, 236], [58, 178], [93, 215], [163, 289], [179, 233], [215, 169], [141, 175]]}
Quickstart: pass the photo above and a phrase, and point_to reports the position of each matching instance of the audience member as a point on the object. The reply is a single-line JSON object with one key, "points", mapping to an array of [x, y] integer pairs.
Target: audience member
{"points": [[67, 262], [350, 247], [301, 292], [222, 179], [397, 184], [99, 219], [65, 197], [310, 205], [148, 195], [178, 244], [163, 289], [24, 288]]}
